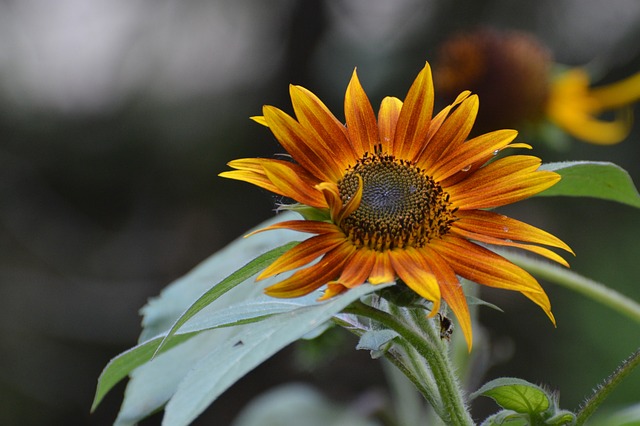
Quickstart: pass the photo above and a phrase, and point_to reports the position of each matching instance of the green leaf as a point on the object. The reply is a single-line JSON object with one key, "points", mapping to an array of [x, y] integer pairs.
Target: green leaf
{"points": [[120, 366], [561, 418], [625, 416], [376, 341], [596, 179], [516, 394], [152, 384], [241, 275], [226, 362], [507, 418], [286, 405], [255, 309], [161, 312]]}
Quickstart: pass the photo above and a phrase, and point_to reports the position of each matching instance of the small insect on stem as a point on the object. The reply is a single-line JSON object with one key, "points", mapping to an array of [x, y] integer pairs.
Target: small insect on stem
{"points": [[446, 327]]}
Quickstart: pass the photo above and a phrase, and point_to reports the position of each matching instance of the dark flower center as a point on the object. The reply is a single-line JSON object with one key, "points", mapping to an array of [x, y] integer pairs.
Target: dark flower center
{"points": [[401, 205]]}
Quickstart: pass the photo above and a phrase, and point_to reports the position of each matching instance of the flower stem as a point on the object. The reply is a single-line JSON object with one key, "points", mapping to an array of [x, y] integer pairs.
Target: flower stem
{"points": [[578, 283], [419, 336], [603, 391]]}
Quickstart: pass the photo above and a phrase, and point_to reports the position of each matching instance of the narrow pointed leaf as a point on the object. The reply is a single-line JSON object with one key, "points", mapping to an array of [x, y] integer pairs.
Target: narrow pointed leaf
{"points": [[227, 284]]}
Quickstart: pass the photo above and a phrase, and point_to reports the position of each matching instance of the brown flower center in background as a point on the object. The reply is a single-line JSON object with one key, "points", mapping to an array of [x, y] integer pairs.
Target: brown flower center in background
{"points": [[509, 71]]}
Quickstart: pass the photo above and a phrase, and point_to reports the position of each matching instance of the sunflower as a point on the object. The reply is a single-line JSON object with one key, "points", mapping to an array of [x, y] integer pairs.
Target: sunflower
{"points": [[575, 106], [403, 197], [514, 75]]}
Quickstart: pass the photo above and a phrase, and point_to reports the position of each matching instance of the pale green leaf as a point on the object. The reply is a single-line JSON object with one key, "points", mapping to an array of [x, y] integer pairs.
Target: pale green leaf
{"points": [[286, 405], [516, 394], [259, 307], [120, 366], [376, 341], [596, 179], [225, 363], [161, 312], [507, 418], [238, 277], [152, 384]]}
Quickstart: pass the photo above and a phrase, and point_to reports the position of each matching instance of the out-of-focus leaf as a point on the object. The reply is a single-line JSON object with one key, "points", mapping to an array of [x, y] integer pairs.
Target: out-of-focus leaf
{"points": [[285, 406], [596, 179], [627, 416]]}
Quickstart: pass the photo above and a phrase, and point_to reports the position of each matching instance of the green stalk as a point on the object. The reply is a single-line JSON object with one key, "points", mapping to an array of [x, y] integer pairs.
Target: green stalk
{"points": [[603, 391], [454, 410], [588, 287]]}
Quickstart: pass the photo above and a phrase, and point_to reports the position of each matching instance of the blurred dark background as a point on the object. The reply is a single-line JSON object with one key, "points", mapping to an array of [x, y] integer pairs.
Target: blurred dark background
{"points": [[117, 115]]}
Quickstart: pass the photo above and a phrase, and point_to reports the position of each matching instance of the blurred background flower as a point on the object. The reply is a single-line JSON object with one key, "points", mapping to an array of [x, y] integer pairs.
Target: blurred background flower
{"points": [[116, 116], [522, 88]]}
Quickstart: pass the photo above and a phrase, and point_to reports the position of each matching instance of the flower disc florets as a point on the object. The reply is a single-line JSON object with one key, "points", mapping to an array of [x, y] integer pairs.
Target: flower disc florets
{"points": [[401, 206]]}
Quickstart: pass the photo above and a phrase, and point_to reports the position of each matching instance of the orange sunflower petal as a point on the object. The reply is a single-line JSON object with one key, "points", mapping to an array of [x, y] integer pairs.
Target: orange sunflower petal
{"points": [[353, 204], [451, 134], [483, 266], [306, 226], [312, 113], [303, 146], [333, 289], [502, 182], [541, 300], [451, 290], [470, 152], [357, 268], [387, 120], [306, 280], [415, 274], [415, 117], [500, 226], [468, 171], [382, 271], [254, 178], [361, 120], [303, 253], [437, 121], [293, 185], [332, 196], [260, 120], [542, 251]]}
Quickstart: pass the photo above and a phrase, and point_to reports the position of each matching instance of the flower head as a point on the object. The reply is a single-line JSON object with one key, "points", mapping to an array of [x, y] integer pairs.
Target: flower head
{"points": [[574, 106], [515, 77], [404, 196]]}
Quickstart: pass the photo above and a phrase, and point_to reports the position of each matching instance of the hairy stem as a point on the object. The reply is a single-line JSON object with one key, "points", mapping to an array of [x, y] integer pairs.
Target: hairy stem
{"points": [[454, 410], [603, 391]]}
